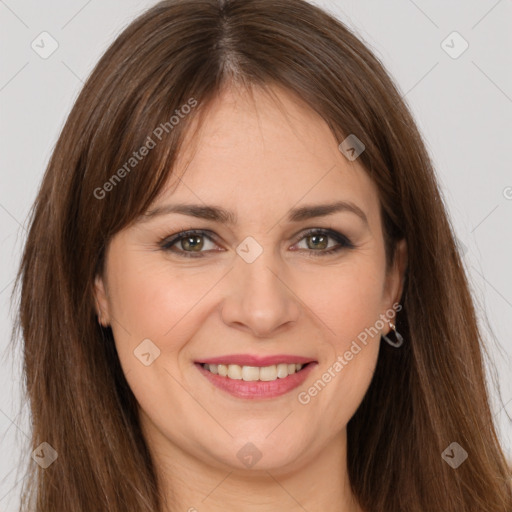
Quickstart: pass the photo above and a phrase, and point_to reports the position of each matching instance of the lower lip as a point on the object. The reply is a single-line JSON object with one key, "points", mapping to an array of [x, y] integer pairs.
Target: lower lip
{"points": [[258, 389]]}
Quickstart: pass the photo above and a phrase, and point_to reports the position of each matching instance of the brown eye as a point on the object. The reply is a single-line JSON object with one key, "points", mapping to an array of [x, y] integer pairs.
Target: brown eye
{"points": [[189, 244], [317, 242], [194, 243]]}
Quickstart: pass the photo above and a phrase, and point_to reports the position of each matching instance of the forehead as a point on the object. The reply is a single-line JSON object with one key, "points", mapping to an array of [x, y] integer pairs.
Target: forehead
{"points": [[256, 154]]}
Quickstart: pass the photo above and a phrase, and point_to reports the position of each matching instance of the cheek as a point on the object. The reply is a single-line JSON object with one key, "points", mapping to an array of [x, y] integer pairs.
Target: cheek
{"points": [[153, 299], [347, 303], [346, 299]]}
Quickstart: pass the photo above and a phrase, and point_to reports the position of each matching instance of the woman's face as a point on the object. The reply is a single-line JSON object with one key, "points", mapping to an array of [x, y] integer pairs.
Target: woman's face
{"points": [[254, 285]]}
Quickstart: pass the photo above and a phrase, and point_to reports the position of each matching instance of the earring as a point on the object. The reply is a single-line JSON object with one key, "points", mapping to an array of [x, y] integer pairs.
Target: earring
{"points": [[99, 319], [398, 336]]}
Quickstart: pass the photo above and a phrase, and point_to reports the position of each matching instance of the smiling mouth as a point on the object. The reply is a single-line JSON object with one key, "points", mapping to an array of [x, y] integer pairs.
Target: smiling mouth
{"points": [[254, 373]]}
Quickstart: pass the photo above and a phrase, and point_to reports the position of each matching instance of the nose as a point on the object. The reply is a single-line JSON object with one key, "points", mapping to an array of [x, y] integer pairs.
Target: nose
{"points": [[259, 300]]}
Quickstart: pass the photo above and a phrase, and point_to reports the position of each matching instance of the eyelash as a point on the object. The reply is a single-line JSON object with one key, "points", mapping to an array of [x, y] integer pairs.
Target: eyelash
{"points": [[344, 243]]}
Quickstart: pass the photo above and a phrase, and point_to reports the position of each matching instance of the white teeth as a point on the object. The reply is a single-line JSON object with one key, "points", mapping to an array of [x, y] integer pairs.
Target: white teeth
{"points": [[268, 373], [253, 373], [282, 370], [250, 373], [235, 372]]}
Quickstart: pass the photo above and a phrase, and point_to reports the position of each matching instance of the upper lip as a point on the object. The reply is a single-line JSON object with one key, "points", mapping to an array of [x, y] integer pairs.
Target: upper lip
{"points": [[254, 360]]}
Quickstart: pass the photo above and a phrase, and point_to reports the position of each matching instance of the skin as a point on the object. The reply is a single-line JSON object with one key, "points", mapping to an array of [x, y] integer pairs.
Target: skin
{"points": [[258, 162]]}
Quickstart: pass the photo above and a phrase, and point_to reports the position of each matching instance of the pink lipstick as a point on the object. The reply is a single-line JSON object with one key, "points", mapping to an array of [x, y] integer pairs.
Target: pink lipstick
{"points": [[256, 377]]}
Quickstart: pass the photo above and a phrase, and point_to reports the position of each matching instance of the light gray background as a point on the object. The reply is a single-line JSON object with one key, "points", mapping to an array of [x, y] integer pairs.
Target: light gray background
{"points": [[463, 107]]}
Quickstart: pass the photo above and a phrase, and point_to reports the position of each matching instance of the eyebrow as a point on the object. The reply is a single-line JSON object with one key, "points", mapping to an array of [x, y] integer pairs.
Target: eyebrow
{"points": [[223, 216]]}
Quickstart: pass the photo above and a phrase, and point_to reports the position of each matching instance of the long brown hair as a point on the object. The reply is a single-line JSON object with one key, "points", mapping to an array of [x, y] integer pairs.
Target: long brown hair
{"points": [[424, 396]]}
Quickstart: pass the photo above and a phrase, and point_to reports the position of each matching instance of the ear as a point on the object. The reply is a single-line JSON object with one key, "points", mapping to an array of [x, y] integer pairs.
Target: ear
{"points": [[101, 301], [396, 277]]}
